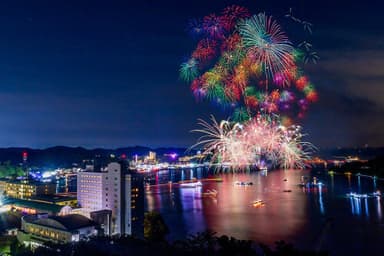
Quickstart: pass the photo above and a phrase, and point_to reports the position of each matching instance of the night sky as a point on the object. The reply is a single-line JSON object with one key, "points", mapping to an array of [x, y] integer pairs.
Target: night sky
{"points": [[105, 73]]}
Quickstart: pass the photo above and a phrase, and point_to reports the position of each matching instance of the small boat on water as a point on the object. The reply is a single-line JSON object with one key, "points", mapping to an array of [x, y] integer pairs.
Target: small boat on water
{"points": [[258, 203], [314, 184], [210, 193], [191, 184], [243, 183], [356, 195], [217, 179], [287, 190], [263, 168]]}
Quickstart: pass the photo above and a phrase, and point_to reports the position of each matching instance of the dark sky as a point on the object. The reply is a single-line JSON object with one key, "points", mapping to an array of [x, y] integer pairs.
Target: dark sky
{"points": [[105, 73]]}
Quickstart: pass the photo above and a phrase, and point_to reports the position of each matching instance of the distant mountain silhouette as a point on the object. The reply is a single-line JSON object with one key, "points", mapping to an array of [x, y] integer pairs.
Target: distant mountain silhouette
{"points": [[62, 156], [364, 153]]}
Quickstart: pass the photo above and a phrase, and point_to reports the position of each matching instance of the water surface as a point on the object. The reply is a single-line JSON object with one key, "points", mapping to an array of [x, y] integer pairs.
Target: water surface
{"points": [[315, 218]]}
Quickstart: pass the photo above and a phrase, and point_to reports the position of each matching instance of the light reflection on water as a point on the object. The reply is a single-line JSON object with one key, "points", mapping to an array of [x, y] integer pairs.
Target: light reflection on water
{"points": [[314, 217]]}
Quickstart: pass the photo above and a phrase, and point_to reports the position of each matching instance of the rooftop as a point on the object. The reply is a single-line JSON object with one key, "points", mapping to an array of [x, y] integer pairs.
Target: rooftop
{"points": [[30, 182], [70, 222], [51, 199], [47, 207]]}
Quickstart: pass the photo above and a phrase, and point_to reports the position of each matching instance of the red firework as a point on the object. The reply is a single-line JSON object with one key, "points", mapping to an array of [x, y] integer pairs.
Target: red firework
{"points": [[231, 43], [301, 83], [251, 102], [205, 50], [233, 14]]}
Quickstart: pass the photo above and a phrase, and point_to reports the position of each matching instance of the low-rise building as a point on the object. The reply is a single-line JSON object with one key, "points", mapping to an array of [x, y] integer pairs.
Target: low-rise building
{"points": [[34, 207], [26, 188], [40, 228]]}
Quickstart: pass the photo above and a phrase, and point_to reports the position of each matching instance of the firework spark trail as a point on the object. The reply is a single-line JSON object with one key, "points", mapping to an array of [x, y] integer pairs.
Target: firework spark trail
{"points": [[243, 145], [267, 44]]}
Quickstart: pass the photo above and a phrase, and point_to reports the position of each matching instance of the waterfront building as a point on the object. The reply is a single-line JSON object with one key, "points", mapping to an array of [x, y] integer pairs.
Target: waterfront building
{"points": [[40, 228], [151, 158], [27, 188], [114, 188]]}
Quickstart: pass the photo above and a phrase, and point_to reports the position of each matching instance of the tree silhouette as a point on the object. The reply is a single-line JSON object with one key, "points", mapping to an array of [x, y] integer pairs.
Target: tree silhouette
{"points": [[155, 229]]}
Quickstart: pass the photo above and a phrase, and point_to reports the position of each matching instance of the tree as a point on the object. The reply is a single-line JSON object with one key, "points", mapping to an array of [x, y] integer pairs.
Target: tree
{"points": [[7, 170], [155, 228]]}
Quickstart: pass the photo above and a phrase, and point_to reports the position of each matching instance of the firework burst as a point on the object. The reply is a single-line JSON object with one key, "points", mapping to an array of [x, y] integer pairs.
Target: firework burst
{"points": [[236, 52], [262, 138], [267, 44]]}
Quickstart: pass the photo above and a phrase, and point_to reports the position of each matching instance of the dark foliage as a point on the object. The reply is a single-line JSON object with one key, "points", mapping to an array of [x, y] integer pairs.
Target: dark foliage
{"points": [[205, 243]]}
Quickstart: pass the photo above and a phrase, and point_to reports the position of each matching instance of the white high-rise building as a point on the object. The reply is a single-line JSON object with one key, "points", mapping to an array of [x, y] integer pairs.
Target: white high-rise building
{"points": [[90, 190], [111, 188]]}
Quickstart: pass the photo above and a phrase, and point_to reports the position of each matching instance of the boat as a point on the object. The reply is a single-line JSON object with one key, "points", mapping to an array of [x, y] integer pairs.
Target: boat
{"points": [[356, 195], [287, 190], [217, 179], [191, 184], [258, 203], [243, 183], [263, 168], [210, 193], [285, 179]]}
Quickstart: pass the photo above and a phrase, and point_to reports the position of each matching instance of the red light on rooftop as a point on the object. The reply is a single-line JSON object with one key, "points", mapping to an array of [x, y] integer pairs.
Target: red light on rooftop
{"points": [[25, 156]]}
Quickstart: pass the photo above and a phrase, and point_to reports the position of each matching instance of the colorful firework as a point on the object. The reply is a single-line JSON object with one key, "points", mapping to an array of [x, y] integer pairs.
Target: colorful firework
{"points": [[189, 70], [267, 44], [263, 138], [248, 63]]}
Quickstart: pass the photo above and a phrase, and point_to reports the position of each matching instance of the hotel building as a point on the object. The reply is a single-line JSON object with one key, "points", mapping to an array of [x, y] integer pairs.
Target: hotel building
{"points": [[114, 188]]}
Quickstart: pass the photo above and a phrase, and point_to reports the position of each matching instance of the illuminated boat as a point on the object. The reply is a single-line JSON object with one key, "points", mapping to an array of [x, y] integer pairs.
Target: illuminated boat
{"points": [[243, 183], [263, 168], [191, 184], [258, 203], [210, 193]]}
